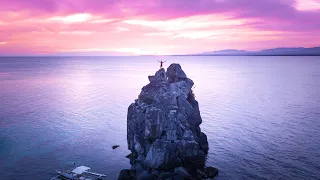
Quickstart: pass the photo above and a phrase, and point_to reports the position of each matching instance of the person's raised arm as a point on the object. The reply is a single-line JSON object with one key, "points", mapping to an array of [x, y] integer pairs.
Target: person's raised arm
{"points": [[158, 60]]}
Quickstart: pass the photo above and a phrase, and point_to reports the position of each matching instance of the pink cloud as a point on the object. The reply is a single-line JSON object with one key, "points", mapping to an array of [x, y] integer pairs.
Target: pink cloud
{"points": [[156, 26]]}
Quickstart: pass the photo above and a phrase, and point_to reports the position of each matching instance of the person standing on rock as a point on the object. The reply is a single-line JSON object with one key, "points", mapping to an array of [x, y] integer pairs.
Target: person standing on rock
{"points": [[161, 63]]}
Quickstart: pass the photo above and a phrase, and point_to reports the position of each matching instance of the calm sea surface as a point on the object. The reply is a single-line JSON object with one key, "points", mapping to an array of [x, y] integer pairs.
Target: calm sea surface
{"points": [[261, 114]]}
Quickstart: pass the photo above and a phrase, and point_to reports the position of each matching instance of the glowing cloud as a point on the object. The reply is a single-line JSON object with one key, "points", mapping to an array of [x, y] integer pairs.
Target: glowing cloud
{"points": [[77, 32], [200, 21], [98, 21], [122, 29], [307, 5], [157, 26], [75, 18]]}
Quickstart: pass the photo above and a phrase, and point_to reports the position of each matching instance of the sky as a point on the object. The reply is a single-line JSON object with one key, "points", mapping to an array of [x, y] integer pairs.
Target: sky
{"points": [[157, 27]]}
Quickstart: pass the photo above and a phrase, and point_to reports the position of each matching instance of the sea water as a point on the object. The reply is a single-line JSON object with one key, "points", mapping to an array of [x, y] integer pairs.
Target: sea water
{"points": [[261, 114]]}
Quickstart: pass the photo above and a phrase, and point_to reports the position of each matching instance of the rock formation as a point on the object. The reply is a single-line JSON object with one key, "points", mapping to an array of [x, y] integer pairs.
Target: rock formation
{"points": [[163, 130]]}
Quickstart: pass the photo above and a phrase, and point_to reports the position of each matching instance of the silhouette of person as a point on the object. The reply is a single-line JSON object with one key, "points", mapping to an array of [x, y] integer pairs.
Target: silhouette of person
{"points": [[161, 63]]}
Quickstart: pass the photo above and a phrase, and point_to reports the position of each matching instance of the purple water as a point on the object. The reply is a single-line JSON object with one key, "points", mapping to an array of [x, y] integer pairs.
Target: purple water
{"points": [[261, 114]]}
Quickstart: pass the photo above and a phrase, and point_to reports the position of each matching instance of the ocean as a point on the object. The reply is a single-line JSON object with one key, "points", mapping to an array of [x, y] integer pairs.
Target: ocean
{"points": [[261, 114]]}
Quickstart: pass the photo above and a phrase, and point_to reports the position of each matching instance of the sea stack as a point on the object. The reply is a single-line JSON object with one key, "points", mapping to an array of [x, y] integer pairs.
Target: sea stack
{"points": [[163, 130]]}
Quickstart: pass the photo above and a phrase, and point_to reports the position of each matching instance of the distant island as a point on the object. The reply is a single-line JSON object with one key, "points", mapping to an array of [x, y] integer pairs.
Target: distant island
{"points": [[298, 51]]}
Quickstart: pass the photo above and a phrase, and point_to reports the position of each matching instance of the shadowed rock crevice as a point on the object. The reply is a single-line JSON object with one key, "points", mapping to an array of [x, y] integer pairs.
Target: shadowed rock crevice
{"points": [[163, 130]]}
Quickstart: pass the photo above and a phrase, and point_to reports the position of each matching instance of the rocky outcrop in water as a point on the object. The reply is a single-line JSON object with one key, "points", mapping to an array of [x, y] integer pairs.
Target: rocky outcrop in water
{"points": [[163, 130]]}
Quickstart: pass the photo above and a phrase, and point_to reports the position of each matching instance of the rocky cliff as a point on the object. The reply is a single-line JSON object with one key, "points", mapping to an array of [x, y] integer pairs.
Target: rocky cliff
{"points": [[163, 130]]}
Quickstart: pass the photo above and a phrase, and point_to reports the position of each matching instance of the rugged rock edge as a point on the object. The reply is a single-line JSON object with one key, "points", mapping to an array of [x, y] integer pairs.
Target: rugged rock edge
{"points": [[163, 130]]}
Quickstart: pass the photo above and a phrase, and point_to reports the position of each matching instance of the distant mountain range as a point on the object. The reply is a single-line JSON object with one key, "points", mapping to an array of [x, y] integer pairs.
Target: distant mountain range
{"points": [[298, 51]]}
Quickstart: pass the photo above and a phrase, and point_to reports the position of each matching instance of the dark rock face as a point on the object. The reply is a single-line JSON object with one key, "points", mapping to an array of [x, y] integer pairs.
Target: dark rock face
{"points": [[182, 172], [204, 142], [125, 174], [145, 175], [211, 172], [175, 73], [162, 155], [163, 130], [159, 76]]}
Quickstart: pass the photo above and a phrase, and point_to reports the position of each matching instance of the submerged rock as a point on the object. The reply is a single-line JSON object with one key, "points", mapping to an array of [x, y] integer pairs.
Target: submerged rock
{"points": [[163, 130], [201, 174], [211, 172], [115, 146]]}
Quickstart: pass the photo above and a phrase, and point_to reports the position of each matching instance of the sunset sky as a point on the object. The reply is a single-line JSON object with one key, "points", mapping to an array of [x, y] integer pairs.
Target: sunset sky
{"points": [[121, 27]]}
